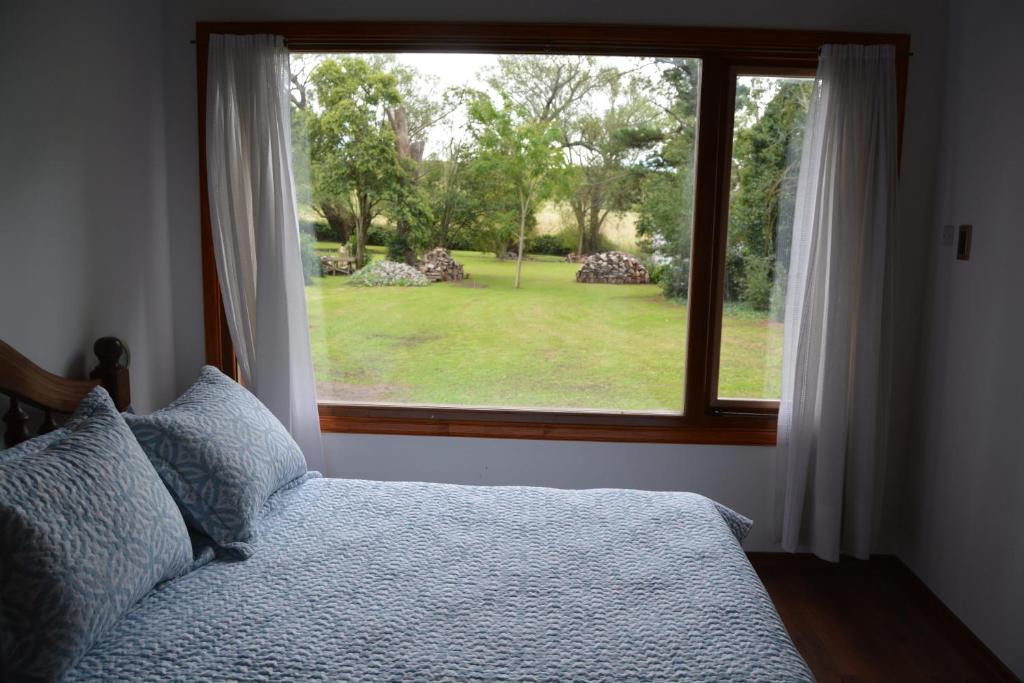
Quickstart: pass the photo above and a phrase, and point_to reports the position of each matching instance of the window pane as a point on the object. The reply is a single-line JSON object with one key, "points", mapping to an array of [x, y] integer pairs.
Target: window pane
{"points": [[767, 138], [420, 175]]}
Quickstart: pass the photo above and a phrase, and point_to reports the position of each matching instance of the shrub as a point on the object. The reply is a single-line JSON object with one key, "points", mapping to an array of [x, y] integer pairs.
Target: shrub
{"points": [[674, 278], [321, 229], [757, 283], [553, 245], [311, 266], [378, 235], [388, 274]]}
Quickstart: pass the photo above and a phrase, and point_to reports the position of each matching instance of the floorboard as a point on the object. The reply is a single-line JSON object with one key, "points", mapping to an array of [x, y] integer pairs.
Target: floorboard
{"points": [[864, 621]]}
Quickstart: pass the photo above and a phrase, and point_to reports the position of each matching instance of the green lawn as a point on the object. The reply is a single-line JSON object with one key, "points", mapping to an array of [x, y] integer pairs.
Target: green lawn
{"points": [[553, 343]]}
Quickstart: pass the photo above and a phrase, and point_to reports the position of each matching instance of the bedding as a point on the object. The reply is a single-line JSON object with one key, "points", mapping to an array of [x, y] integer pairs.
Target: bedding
{"points": [[372, 581], [221, 453], [86, 529]]}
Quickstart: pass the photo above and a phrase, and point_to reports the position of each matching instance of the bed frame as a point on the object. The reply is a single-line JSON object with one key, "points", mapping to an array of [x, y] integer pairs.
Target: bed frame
{"points": [[22, 381]]}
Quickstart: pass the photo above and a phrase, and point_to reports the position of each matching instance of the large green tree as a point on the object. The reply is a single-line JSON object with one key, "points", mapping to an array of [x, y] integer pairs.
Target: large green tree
{"points": [[352, 143], [517, 152]]}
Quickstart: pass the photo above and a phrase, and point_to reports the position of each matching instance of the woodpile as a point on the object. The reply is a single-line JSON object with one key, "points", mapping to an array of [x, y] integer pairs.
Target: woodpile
{"points": [[439, 266], [388, 274], [613, 268]]}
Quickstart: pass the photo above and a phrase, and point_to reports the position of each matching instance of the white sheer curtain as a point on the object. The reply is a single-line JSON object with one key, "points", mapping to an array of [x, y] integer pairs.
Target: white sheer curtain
{"points": [[833, 395], [256, 230]]}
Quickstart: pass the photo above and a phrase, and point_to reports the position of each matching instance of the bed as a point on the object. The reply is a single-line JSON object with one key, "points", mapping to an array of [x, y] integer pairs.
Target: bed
{"points": [[390, 581]]}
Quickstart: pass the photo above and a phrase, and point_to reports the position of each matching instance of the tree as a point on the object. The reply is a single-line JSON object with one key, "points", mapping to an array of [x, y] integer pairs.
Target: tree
{"points": [[766, 157], [411, 120], [518, 152], [548, 88], [665, 209], [457, 199], [352, 144], [604, 153]]}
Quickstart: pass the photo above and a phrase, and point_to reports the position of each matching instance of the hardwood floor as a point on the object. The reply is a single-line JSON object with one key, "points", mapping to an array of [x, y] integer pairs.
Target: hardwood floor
{"points": [[859, 621]]}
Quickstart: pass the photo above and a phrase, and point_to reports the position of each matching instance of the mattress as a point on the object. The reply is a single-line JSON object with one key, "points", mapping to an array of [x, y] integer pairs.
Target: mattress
{"points": [[382, 581]]}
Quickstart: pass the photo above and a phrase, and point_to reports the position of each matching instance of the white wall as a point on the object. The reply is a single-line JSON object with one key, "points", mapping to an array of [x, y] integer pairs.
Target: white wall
{"points": [[740, 477], [964, 510], [82, 187]]}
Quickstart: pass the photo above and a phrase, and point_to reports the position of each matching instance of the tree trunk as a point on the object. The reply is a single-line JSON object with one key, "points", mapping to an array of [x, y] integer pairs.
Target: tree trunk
{"points": [[594, 238], [363, 229], [524, 203], [580, 211], [410, 154], [340, 221]]}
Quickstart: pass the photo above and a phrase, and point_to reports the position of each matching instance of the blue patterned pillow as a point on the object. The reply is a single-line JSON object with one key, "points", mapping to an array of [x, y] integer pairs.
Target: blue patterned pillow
{"points": [[86, 529], [38, 443], [33, 445], [222, 453]]}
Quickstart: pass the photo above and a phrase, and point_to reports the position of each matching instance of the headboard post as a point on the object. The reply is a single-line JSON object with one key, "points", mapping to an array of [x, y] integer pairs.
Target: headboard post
{"points": [[17, 423], [112, 371]]}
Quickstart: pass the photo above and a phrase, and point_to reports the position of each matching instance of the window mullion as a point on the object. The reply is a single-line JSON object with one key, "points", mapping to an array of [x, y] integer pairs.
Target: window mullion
{"points": [[708, 195]]}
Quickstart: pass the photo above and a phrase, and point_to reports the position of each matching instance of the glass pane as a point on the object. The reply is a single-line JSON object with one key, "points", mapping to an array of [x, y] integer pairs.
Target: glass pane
{"points": [[496, 230], [771, 113]]}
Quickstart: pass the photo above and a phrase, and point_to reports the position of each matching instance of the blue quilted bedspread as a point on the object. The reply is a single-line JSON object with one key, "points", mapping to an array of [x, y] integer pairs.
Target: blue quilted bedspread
{"points": [[372, 581]]}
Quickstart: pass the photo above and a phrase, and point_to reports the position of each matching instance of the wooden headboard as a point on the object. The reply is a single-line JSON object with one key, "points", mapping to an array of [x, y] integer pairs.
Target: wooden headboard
{"points": [[24, 382]]}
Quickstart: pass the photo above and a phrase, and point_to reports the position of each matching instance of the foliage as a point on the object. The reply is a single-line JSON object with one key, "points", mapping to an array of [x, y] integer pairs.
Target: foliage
{"points": [[378, 236], [553, 245], [310, 259], [597, 140], [516, 152], [766, 156], [388, 274], [665, 207], [352, 146], [457, 200]]}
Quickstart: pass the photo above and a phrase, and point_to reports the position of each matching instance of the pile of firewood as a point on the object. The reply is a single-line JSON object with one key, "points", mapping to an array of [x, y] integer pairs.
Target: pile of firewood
{"points": [[439, 266], [613, 268]]}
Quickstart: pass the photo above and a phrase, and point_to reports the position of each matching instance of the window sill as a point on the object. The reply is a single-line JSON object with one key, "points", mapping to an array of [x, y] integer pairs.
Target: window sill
{"points": [[724, 429]]}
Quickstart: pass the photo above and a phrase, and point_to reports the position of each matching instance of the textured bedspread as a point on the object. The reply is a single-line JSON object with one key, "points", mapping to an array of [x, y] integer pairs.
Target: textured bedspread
{"points": [[370, 581]]}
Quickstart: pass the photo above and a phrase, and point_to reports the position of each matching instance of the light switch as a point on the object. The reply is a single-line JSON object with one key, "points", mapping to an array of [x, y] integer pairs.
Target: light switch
{"points": [[963, 242]]}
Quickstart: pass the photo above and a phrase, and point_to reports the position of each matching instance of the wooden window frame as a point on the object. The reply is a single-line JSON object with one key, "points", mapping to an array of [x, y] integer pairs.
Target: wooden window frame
{"points": [[706, 419]]}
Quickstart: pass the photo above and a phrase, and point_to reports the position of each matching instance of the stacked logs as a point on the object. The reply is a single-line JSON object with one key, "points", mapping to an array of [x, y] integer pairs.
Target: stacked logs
{"points": [[439, 266], [613, 268]]}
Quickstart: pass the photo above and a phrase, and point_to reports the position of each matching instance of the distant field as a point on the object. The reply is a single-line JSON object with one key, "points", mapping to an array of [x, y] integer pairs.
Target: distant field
{"points": [[619, 229], [552, 344]]}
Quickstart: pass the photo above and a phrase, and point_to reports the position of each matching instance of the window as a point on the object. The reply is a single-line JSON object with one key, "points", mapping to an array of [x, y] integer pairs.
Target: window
{"points": [[442, 163], [671, 154], [767, 137]]}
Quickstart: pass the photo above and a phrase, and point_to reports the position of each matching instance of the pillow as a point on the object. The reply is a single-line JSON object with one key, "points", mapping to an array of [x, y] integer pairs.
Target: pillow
{"points": [[33, 445], [221, 453], [38, 443], [86, 529]]}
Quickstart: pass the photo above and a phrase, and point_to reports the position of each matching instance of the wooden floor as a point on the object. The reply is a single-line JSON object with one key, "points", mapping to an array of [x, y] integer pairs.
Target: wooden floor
{"points": [[872, 621]]}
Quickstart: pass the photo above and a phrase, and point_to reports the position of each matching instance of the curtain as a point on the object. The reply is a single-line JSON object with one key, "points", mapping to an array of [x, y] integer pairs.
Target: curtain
{"points": [[256, 230], [830, 439]]}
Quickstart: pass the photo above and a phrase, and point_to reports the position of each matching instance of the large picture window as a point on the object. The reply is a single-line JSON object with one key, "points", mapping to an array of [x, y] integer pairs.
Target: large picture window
{"points": [[544, 232]]}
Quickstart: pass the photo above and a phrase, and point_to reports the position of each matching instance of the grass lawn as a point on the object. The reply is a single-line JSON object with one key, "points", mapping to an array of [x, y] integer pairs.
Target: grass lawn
{"points": [[551, 344]]}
